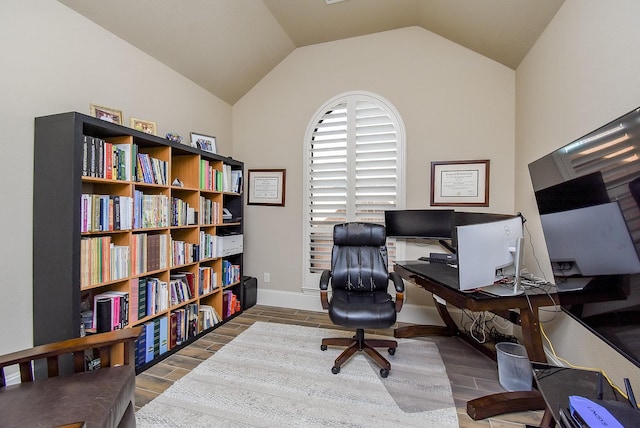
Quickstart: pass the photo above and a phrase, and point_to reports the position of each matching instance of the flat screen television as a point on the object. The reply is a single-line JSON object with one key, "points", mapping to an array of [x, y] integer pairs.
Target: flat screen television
{"points": [[588, 197]]}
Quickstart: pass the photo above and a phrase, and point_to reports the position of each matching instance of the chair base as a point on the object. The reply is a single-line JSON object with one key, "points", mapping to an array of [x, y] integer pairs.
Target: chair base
{"points": [[359, 343]]}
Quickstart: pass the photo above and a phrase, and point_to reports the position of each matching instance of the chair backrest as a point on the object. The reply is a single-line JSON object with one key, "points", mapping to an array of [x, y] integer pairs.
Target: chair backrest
{"points": [[359, 260]]}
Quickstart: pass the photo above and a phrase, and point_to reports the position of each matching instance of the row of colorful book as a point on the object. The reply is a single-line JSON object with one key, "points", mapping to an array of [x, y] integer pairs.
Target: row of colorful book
{"points": [[102, 261], [100, 213], [149, 252], [230, 273], [110, 311], [102, 159], [151, 170], [182, 214]]}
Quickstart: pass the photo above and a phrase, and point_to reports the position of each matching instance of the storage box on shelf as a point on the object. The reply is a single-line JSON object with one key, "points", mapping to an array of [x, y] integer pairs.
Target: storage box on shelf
{"points": [[128, 231]]}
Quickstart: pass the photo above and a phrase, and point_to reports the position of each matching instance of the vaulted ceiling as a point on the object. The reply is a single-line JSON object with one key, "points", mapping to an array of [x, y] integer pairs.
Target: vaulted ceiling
{"points": [[227, 46]]}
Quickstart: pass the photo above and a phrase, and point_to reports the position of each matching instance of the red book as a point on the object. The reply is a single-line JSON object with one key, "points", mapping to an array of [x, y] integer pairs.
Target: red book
{"points": [[108, 160], [173, 330]]}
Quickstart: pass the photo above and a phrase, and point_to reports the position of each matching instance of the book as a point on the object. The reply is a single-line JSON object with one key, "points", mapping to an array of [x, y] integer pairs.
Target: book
{"points": [[141, 351], [164, 335], [173, 325], [124, 170], [86, 142], [104, 315], [142, 297], [156, 338], [148, 332]]}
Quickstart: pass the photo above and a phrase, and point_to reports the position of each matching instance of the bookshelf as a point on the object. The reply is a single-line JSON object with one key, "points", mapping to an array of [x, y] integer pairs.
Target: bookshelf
{"points": [[128, 230]]}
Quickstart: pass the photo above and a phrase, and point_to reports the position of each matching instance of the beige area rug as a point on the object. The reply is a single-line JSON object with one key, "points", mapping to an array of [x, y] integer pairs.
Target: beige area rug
{"points": [[275, 375]]}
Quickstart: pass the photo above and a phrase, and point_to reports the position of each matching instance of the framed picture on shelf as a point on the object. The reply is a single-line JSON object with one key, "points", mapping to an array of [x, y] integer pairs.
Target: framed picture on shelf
{"points": [[145, 126], [204, 142], [460, 183], [266, 187], [107, 114]]}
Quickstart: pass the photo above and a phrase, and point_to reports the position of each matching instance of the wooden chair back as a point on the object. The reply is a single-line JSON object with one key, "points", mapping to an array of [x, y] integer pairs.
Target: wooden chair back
{"points": [[114, 347]]}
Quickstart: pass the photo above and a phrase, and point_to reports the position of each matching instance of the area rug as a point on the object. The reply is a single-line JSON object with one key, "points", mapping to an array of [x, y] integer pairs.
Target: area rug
{"points": [[275, 375]]}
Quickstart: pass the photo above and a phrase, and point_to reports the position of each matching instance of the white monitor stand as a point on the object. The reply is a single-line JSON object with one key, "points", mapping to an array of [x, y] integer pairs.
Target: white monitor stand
{"points": [[518, 258]]}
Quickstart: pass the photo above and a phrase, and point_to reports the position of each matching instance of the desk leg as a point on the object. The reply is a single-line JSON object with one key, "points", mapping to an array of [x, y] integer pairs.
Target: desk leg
{"points": [[449, 329], [547, 420], [532, 336]]}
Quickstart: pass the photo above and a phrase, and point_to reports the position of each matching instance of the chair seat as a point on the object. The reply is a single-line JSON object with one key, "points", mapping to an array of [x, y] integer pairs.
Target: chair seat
{"points": [[99, 398], [358, 309]]}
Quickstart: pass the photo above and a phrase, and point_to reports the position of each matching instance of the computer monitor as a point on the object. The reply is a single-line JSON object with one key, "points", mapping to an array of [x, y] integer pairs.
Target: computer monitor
{"points": [[488, 252], [425, 224], [463, 218], [590, 241]]}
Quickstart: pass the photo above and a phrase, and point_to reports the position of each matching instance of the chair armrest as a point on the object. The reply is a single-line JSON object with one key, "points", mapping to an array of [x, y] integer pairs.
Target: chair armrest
{"points": [[398, 283], [71, 345], [324, 279], [324, 287], [113, 355]]}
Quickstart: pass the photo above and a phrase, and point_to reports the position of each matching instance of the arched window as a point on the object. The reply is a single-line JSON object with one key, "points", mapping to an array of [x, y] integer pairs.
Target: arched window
{"points": [[354, 157]]}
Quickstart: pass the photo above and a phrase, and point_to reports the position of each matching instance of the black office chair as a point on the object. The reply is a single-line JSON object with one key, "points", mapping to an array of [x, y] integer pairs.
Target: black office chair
{"points": [[359, 279]]}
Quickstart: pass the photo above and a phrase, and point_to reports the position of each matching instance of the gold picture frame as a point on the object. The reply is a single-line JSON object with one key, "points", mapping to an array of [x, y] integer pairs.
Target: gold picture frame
{"points": [[267, 187], [106, 113], [460, 183], [146, 126]]}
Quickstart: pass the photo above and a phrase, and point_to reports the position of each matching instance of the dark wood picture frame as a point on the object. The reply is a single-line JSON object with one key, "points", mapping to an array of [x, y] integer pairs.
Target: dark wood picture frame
{"points": [[266, 187], [460, 183]]}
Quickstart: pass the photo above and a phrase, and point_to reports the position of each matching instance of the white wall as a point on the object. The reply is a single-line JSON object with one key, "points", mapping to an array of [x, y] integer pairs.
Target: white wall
{"points": [[455, 105], [53, 60], [583, 72]]}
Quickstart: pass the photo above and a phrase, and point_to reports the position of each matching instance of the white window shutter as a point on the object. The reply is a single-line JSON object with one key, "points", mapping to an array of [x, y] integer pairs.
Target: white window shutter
{"points": [[354, 157]]}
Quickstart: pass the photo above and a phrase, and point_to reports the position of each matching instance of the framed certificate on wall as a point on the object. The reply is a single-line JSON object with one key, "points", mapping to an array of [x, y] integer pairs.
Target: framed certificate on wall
{"points": [[266, 187], [460, 183]]}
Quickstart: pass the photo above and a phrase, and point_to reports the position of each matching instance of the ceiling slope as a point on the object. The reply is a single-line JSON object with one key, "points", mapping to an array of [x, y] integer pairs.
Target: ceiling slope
{"points": [[227, 46]]}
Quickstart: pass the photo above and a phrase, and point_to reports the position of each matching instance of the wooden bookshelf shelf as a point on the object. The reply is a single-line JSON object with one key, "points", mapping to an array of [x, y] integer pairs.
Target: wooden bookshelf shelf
{"points": [[108, 222]]}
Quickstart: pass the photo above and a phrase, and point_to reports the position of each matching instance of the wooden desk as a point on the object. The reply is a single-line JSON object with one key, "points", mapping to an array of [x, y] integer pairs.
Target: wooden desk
{"points": [[526, 317]]}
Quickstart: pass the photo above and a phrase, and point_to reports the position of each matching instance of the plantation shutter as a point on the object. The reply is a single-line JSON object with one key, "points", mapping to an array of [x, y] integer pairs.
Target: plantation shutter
{"points": [[354, 161]]}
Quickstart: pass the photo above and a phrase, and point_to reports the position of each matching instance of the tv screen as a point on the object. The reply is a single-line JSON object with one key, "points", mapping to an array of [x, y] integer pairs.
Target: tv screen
{"points": [[426, 224], [590, 241], [588, 196]]}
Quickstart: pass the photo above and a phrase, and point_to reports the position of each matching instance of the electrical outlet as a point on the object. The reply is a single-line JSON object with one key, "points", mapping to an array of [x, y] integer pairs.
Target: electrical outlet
{"points": [[267, 277]]}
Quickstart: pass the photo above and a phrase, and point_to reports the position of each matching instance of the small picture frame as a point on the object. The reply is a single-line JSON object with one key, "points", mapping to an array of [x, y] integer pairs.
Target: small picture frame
{"points": [[204, 142], [146, 126], [460, 183], [267, 187], [107, 114]]}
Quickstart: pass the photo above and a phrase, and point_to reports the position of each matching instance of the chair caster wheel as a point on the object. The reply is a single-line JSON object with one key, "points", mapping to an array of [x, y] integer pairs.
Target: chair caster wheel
{"points": [[392, 351], [335, 369], [384, 373], [323, 347]]}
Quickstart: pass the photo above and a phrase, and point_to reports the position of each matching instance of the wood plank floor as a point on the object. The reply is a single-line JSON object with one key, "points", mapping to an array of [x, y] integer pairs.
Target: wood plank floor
{"points": [[472, 374]]}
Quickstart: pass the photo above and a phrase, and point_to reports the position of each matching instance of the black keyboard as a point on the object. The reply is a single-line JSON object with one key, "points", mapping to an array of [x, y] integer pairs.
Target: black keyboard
{"points": [[439, 259]]}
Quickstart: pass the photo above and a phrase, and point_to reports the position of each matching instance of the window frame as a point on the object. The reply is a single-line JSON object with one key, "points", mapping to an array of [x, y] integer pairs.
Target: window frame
{"points": [[310, 280]]}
